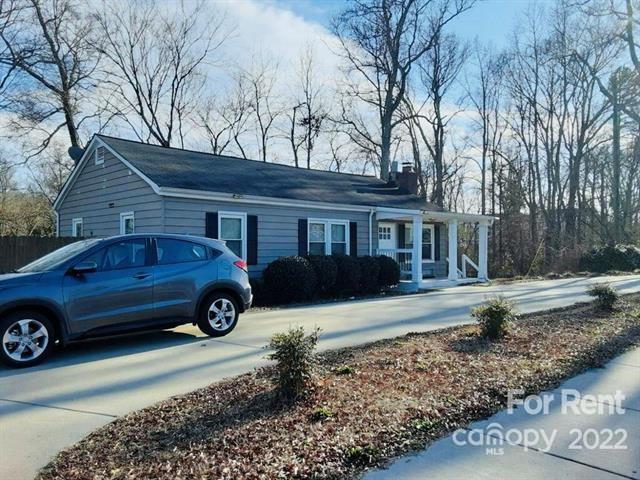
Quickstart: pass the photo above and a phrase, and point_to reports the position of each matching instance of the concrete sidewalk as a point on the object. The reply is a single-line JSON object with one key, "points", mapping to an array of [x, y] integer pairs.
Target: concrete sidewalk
{"points": [[581, 449], [49, 407]]}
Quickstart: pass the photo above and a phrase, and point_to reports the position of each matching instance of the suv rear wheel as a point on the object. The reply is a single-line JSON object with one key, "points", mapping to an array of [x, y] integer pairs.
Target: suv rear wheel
{"points": [[219, 315], [27, 338]]}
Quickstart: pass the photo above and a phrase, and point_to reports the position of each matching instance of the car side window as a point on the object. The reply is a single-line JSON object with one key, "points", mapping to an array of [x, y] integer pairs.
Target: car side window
{"points": [[125, 254], [179, 251], [97, 257]]}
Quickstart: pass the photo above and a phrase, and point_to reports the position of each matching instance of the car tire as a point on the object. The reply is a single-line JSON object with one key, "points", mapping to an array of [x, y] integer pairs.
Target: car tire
{"points": [[27, 338], [218, 315]]}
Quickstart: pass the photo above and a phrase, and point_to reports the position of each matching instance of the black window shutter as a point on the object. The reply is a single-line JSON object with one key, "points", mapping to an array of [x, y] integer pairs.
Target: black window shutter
{"points": [[353, 239], [252, 239], [302, 236], [211, 224], [436, 239], [401, 236]]}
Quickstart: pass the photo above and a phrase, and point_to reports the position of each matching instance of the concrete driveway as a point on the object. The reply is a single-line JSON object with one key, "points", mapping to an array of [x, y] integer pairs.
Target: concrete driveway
{"points": [[49, 407]]}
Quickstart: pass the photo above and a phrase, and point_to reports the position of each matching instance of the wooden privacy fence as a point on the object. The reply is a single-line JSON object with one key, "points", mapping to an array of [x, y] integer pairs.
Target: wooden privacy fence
{"points": [[15, 252]]}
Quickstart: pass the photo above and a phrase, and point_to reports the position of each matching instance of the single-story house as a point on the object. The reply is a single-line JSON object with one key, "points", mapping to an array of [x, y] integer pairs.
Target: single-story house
{"points": [[263, 210]]}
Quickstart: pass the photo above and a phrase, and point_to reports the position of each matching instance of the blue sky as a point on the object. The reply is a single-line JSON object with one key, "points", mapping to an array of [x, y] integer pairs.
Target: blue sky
{"points": [[489, 20]]}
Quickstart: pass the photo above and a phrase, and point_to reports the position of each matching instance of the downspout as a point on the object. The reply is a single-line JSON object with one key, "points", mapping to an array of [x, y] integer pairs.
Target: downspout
{"points": [[371, 231]]}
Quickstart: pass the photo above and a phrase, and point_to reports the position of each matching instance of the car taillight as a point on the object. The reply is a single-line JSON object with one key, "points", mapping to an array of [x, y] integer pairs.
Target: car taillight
{"points": [[241, 264]]}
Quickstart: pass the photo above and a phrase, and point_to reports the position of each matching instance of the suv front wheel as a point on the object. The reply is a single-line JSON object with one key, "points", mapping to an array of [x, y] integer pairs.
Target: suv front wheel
{"points": [[219, 315], [27, 338]]}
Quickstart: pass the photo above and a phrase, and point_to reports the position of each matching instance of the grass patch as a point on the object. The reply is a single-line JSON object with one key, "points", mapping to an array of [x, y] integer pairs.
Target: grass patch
{"points": [[408, 391]]}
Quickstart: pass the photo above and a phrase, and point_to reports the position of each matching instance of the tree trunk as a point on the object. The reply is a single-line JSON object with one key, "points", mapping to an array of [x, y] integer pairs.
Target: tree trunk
{"points": [[616, 159]]}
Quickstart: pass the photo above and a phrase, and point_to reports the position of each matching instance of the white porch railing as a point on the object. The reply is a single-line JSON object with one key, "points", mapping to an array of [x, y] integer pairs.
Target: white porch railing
{"points": [[467, 261], [401, 255], [462, 273]]}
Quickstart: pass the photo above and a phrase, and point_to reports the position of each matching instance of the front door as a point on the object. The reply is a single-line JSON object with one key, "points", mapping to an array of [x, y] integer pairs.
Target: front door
{"points": [[387, 236], [120, 292]]}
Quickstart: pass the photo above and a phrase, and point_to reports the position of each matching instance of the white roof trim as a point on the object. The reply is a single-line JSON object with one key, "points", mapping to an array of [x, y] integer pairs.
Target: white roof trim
{"points": [[463, 217], [235, 198], [94, 143]]}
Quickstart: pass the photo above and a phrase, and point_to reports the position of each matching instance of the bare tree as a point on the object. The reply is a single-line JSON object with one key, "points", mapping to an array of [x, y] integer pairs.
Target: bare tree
{"points": [[485, 93], [381, 41], [50, 172], [620, 33], [48, 64], [439, 69], [225, 122], [265, 105], [308, 114], [155, 65]]}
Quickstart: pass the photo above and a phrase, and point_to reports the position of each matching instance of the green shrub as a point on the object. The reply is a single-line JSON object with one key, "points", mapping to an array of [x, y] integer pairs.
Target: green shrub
{"points": [[326, 272], [320, 414], [369, 273], [494, 317], [261, 296], [294, 354], [290, 279], [625, 258], [389, 271], [605, 295], [348, 278]]}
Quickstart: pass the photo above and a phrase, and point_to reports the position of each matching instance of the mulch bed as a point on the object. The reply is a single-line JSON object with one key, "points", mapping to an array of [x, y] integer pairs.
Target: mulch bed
{"points": [[370, 404]]}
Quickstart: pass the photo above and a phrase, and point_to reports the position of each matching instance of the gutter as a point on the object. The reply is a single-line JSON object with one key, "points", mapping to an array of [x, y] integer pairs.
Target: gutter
{"points": [[371, 231]]}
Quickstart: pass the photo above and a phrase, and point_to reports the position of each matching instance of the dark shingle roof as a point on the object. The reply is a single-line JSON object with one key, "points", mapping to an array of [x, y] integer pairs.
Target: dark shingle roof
{"points": [[176, 168]]}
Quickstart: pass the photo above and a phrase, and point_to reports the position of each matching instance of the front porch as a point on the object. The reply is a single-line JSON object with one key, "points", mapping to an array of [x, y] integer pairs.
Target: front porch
{"points": [[425, 245]]}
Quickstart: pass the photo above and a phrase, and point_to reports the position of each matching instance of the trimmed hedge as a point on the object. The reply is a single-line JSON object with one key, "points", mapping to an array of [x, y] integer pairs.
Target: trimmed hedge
{"points": [[298, 279], [290, 279], [261, 295], [349, 274], [389, 271], [326, 272], [369, 274], [624, 258]]}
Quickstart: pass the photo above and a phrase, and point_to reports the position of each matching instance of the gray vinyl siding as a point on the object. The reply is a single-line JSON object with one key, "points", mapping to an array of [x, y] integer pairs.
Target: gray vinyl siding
{"points": [[277, 226], [96, 187], [440, 265]]}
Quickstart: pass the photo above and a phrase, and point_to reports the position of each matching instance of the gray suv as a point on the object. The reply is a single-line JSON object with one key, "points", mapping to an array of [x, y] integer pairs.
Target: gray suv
{"points": [[100, 287]]}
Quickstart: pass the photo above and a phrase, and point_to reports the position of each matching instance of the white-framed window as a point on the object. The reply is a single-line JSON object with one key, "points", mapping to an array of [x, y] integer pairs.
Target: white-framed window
{"points": [[428, 240], [428, 243], [232, 228], [127, 223], [326, 237], [384, 232], [98, 154], [77, 230]]}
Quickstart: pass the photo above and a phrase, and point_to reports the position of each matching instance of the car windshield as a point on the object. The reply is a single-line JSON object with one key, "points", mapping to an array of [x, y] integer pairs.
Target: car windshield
{"points": [[57, 257]]}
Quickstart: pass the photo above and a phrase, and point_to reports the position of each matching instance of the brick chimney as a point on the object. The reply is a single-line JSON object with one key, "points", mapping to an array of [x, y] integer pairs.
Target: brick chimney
{"points": [[407, 178]]}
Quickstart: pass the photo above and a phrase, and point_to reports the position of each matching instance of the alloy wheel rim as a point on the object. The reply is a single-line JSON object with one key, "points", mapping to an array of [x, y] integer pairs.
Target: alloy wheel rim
{"points": [[25, 340], [221, 314]]}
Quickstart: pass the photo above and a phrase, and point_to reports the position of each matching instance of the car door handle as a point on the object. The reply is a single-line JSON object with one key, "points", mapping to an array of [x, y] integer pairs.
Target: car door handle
{"points": [[141, 276]]}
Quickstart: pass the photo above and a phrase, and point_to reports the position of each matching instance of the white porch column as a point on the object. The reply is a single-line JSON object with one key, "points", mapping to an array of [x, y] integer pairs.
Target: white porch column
{"points": [[416, 257], [483, 250], [453, 249]]}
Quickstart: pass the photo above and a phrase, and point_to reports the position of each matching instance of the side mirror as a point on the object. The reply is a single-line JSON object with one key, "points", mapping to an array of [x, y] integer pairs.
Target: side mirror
{"points": [[84, 267]]}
